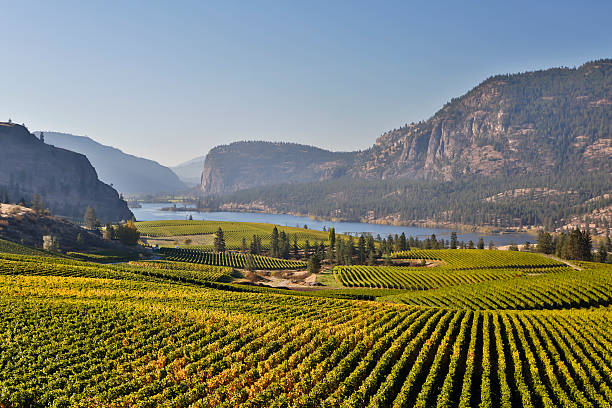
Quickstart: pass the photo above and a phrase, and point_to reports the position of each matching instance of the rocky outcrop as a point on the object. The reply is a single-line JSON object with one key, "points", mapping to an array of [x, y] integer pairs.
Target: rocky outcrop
{"points": [[534, 123], [531, 123], [65, 180], [243, 165]]}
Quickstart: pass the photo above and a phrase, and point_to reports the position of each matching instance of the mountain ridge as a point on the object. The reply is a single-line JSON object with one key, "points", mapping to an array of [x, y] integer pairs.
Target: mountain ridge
{"points": [[128, 173], [534, 122], [66, 180]]}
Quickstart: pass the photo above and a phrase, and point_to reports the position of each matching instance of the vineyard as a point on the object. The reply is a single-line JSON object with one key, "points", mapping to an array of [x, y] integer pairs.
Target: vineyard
{"points": [[389, 277], [201, 233], [524, 332], [480, 259], [228, 259]]}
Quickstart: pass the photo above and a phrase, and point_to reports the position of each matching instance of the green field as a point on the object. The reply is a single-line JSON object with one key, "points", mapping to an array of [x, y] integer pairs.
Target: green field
{"points": [[201, 233], [228, 259], [163, 333]]}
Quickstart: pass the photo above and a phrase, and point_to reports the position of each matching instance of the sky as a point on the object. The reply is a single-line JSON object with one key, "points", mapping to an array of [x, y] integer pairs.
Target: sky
{"points": [[170, 80]]}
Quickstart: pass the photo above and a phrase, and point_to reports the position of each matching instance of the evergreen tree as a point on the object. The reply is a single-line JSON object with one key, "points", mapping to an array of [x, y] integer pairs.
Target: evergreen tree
{"points": [[38, 204], [332, 243], [545, 243], [314, 264], [91, 221], [481, 243], [602, 253], [295, 246], [491, 245], [243, 246], [403, 244], [470, 244], [274, 243], [219, 241], [361, 249]]}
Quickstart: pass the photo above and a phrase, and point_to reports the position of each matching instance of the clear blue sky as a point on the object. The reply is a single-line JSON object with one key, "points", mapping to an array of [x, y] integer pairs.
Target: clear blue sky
{"points": [[169, 80]]}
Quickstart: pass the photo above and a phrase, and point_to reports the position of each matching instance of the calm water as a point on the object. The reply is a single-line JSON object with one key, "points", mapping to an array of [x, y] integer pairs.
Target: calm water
{"points": [[151, 212]]}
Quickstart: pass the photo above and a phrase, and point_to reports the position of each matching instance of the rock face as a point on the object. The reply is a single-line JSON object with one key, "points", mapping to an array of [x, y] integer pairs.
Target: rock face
{"points": [[128, 174], [243, 165], [65, 180], [531, 123], [534, 123]]}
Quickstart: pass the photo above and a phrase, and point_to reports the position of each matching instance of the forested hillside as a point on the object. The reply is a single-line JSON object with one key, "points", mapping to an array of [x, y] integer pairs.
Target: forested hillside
{"points": [[525, 149]]}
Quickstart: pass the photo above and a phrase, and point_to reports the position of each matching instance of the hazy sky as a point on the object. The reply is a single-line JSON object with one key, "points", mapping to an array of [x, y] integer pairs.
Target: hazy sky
{"points": [[169, 80]]}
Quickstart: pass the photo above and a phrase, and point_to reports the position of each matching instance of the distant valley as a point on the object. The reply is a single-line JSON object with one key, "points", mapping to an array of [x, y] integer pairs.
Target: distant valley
{"points": [[128, 174]]}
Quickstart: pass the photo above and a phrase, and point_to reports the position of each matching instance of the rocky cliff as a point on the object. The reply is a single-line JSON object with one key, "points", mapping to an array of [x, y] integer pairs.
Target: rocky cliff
{"points": [[530, 123], [65, 180], [243, 165], [533, 123]]}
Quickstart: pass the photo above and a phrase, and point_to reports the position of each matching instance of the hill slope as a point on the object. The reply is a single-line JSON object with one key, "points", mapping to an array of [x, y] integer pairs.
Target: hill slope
{"points": [[128, 174], [242, 165], [533, 123], [529, 123], [190, 172], [517, 150], [66, 180]]}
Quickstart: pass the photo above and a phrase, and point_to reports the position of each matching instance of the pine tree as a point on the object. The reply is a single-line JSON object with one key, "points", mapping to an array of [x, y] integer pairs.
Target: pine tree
{"points": [[453, 240], [481, 243], [219, 242], [361, 249], [602, 253], [274, 243], [91, 221], [402, 242], [545, 243], [314, 264]]}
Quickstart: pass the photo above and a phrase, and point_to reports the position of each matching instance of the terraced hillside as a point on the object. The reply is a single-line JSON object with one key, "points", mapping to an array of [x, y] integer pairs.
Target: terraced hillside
{"points": [[147, 334]]}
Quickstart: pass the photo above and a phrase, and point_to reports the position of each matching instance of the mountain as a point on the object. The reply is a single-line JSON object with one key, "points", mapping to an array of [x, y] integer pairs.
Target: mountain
{"points": [[533, 148], [190, 172], [523, 124], [243, 165], [128, 174], [66, 180]]}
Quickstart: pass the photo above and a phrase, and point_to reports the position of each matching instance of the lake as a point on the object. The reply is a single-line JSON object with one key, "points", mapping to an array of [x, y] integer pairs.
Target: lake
{"points": [[152, 212]]}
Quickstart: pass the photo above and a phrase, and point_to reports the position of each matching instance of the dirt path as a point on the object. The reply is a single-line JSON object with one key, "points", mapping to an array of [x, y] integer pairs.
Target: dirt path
{"points": [[568, 263]]}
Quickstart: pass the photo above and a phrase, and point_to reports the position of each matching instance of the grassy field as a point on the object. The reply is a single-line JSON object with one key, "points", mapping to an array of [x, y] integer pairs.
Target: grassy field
{"points": [[163, 333], [201, 233]]}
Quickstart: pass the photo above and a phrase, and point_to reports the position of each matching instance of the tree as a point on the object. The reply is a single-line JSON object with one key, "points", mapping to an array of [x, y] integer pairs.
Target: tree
{"points": [[190, 217], [38, 204], [545, 243], [470, 244], [361, 249], [602, 253], [453, 240], [403, 244], [314, 264], [243, 247], [127, 233], [91, 221], [513, 247], [332, 243], [491, 245], [42, 137], [481, 243], [219, 241], [274, 243], [527, 246]]}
